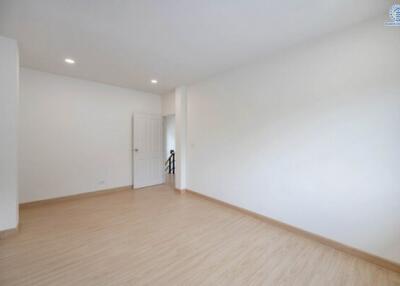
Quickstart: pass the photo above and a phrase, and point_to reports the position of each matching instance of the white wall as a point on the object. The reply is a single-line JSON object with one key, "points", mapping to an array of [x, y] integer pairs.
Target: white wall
{"points": [[169, 134], [168, 104], [181, 138], [310, 137], [75, 134], [9, 69]]}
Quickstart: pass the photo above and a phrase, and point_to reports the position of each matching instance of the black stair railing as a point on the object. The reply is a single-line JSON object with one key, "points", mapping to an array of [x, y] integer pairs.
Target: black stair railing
{"points": [[170, 163]]}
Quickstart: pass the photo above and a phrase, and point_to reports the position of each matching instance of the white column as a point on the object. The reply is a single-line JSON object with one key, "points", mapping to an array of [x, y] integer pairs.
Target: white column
{"points": [[180, 137], [9, 72]]}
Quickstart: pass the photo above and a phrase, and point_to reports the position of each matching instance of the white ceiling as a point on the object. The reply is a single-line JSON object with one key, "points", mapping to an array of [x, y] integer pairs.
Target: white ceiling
{"points": [[127, 43]]}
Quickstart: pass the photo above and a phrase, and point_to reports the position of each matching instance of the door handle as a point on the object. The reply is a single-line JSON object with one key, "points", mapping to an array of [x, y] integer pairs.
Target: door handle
{"points": [[136, 150]]}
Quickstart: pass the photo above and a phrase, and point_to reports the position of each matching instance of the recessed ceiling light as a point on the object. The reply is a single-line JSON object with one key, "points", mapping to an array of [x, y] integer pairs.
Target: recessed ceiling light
{"points": [[69, 61], [154, 81]]}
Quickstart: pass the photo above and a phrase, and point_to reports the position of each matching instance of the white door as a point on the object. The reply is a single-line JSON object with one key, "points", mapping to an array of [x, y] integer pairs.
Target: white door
{"points": [[147, 150]]}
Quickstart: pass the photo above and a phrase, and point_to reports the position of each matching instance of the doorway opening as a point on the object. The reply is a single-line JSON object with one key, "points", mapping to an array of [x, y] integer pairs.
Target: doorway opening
{"points": [[169, 149]]}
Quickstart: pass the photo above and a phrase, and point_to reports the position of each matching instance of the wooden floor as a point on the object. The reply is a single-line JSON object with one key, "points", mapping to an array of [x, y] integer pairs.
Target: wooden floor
{"points": [[156, 236]]}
